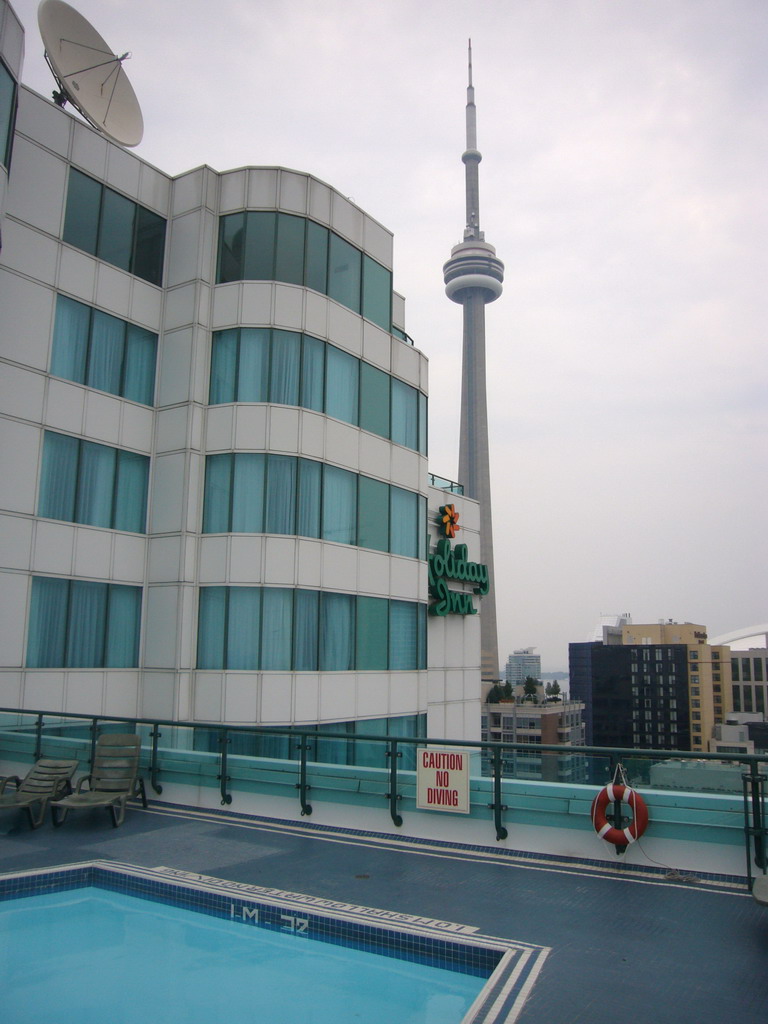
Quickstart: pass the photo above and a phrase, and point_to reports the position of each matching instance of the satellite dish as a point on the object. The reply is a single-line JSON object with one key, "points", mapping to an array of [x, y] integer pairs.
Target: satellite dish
{"points": [[88, 74]]}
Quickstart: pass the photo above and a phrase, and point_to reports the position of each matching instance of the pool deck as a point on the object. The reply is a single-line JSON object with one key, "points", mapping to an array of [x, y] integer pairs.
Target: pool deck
{"points": [[628, 946]]}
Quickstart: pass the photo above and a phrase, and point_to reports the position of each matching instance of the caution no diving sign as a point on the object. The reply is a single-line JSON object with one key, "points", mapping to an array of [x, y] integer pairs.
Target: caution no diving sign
{"points": [[442, 779]]}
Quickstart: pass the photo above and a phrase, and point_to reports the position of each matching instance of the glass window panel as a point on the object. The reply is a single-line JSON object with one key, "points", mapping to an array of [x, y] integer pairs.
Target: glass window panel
{"points": [[757, 666], [105, 360], [70, 339], [47, 639], [341, 385], [149, 246], [276, 629], [243, 624], [58, 476], [344, 262], [131, 492], [7, 109], [423, 421], [316, 273], [373, 514], [310, 480], [422, 527], [289, 257], [123, 627], [284, 369], [281, 494], [404, 523], [403, 635], [423, 634], [140, 363], [377, 293], [218, 484], [339, 505], [337, 633], [248, 493], [372, 640], [371, 753], [95, 484], [231, 239], [259, 246], [374, 400], [86, 627], [253, 365], [116, 229], [223, 367], [81, 222], [211, 627], [312, 373], [305, 630], [405, 414]]}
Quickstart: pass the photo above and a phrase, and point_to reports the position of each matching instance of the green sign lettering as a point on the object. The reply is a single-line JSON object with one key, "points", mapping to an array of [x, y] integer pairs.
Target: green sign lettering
{"points": [[446, 564]]}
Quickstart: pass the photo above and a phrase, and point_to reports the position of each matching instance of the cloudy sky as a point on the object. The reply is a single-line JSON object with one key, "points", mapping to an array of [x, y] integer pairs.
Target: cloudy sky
{"points": [[624, 184]]}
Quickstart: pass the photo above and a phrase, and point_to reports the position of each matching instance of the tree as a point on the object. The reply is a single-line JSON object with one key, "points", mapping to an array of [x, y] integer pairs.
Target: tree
{"points": [[530, 688], [552, 691], [494, 694], [508, 690]]}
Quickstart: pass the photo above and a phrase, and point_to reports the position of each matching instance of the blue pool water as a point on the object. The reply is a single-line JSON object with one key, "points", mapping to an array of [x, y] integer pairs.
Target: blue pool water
{"points": [[87, 956]]}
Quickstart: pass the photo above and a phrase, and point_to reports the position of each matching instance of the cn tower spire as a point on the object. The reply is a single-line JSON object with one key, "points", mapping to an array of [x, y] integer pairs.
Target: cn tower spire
{"points": [[473, 277]]}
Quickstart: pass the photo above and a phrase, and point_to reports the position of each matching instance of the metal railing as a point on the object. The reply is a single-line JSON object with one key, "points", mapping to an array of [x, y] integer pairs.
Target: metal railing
{"points": [[33, 734]]}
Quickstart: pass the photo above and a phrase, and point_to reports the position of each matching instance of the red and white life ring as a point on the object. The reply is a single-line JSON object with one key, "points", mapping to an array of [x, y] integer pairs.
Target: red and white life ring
{"points": [[619, 836]]}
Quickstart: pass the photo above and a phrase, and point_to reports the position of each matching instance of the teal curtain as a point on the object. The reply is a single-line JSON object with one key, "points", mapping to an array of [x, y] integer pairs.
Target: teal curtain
{"points": [[337, 632], [284, 370], [248, 493], [403, 635], [339, 505], [341, 385], [404, 524], [47, 639], [95, 484], [281, 494], [211, 627], [123, 627], [223, 367], [58, 476], [86, 627], [130, 509], [305, 630], [243, 628], [70, 339], [253, 365], [276, 628], [216, 501], [140, 365], [105, 361]]}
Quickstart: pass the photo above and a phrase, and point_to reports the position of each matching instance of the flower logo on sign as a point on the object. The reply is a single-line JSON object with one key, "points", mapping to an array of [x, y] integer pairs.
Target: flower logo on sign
{"points": [[449, 520]]}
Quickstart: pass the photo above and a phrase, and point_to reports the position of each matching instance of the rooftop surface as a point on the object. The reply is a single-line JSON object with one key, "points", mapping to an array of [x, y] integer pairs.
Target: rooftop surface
{"points": [[625, 944]]}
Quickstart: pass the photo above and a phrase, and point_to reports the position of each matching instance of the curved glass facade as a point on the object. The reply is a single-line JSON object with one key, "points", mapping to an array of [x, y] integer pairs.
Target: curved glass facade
{"points": [[270, 246], [278, 629], [262, 493], [262, 364]]}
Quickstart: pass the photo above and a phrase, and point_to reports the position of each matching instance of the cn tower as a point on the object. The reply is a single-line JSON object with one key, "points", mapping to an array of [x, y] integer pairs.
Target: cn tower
{"points": [[473, 276]]}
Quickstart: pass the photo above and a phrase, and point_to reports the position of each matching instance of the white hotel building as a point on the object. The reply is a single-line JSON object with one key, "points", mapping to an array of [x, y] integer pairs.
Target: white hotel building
{"points": [[214, 493]]}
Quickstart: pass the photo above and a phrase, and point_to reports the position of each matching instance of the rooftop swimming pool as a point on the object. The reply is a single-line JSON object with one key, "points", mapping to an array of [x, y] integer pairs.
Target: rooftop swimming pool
{"points": [[103, 941]]}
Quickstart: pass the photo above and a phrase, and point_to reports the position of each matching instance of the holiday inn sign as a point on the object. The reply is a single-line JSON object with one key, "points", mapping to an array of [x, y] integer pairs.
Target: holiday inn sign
{"points": [[447, 564]]}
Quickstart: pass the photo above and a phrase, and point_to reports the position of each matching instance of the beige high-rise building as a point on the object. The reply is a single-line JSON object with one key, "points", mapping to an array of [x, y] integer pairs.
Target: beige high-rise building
{"points": [[709, 671]]}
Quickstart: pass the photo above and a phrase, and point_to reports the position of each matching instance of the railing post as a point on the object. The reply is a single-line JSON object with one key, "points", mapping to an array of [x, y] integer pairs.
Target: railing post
{"points": [[226, 798], [497, 806], [153, 765], [754, 810], [301, 785], [94, 736], [39, 737], [393, 753]]}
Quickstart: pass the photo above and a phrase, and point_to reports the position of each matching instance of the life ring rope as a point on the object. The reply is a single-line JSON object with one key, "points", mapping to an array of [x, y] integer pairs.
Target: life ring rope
{"points": [[605, 830]]}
